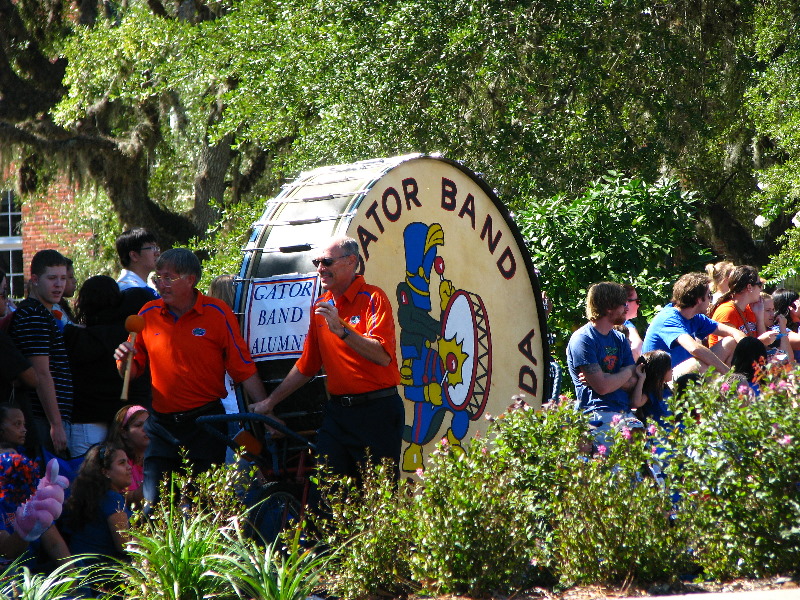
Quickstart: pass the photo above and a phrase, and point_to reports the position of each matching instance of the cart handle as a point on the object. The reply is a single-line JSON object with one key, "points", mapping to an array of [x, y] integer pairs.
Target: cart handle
{"points": [[269, 421]]}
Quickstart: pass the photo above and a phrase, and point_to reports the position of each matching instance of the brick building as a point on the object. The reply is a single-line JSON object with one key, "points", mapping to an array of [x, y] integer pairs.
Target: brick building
{"points": [[30, 227]]}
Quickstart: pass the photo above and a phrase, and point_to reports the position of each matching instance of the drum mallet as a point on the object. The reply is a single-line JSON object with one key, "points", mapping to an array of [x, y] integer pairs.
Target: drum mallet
{"points": [[134, 324]]}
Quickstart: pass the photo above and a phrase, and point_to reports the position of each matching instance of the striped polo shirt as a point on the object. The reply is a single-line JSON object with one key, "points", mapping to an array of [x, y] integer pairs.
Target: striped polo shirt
{"points": [[36, 333]]}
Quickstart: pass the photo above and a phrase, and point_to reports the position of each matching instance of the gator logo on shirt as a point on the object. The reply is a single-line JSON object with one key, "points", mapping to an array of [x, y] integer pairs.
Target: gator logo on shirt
{"points": [[610, 360], [198, 331], [355, 320]]}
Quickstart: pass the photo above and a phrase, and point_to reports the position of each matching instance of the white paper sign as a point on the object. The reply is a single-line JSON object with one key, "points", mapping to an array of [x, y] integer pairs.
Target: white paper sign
{"points": [[277, 315]]}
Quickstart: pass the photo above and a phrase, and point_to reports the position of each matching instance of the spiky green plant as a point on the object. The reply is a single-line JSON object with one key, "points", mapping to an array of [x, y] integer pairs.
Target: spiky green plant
{"points": [[269, 572], [63, 583]]}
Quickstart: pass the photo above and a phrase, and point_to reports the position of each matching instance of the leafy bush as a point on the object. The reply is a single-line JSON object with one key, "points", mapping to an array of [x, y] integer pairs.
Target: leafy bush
{"points": [[474, 532], [739, 469], [611, 519], [370, 530], [629, 232]]}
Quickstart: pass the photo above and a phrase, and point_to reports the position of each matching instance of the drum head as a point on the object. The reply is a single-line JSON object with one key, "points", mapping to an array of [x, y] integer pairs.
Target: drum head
{"points": [[435, 238]]}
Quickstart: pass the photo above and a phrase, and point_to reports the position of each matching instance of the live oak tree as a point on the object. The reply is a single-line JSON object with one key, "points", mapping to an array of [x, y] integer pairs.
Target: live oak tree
{"points": [[185, 112]]}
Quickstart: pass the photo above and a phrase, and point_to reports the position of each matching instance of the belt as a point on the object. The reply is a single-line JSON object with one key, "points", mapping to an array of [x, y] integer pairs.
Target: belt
{"points": [[357, 399], [189, 415]]}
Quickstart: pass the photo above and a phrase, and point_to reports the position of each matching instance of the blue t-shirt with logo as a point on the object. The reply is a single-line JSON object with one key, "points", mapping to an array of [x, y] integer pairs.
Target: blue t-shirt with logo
{"points": [[612, 352]]}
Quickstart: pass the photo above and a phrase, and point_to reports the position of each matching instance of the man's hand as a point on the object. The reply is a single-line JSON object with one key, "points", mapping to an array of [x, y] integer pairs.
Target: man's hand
{"points": [[122, 351], [330, 313], [59, 437], [265, 408]]}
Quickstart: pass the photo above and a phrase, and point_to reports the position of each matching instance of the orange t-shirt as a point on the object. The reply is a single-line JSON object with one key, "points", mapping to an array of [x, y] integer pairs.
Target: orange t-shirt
{"points": [[189, 355], [367, 310], [727, 314]]}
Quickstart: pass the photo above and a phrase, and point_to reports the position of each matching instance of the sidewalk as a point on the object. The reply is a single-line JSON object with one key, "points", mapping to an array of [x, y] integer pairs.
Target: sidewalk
{"points": [[791, 594]]}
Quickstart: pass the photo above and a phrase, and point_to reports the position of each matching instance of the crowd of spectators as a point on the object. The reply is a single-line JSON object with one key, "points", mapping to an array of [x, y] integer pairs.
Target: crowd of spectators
{"points": [[719, 322], [65, 405], [63, 393]]}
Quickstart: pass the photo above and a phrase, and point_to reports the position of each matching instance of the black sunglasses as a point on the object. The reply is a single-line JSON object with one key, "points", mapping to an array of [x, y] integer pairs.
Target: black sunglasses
{"points": [[327, 261]]}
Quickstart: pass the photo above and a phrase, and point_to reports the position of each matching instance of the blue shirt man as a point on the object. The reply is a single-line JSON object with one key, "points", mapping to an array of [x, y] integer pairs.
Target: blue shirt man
{"points": [[600, 361]]}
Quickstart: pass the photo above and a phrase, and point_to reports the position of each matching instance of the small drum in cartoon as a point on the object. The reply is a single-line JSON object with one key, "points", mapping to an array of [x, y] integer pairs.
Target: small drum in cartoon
{"points": [[466, 351]]}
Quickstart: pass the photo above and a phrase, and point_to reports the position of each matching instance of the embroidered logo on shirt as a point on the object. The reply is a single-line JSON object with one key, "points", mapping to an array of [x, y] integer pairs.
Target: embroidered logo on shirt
{"points": [[198, 331], [355, 320]]}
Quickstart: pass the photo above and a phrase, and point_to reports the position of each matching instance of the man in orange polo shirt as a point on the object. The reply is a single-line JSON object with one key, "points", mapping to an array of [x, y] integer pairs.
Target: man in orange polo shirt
{"points": [[352, 334], [189, 341]]}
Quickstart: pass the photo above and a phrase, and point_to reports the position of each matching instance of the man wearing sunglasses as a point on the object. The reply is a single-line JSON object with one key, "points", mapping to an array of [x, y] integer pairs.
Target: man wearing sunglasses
{"points": [[352, 334], [189, 341]]}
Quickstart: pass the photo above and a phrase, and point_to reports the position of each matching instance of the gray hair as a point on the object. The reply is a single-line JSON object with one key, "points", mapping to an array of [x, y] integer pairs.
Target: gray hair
{"points": [[182, 260], [347, 245]]}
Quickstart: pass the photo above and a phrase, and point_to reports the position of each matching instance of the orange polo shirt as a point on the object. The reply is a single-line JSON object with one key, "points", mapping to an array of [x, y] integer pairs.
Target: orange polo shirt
{"points": [[367, 310], [189, 355]]}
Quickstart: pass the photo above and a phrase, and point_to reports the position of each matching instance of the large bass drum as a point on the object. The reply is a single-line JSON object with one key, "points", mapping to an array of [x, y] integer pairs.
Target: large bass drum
{"points": [[471, 331]]}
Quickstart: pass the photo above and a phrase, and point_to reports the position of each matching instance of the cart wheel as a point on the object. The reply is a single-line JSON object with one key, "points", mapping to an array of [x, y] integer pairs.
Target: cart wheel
{"points": [[274, 507]]}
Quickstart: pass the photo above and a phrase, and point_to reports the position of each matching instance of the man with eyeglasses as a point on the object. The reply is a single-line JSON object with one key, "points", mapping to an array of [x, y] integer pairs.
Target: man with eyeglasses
{"points": [[600, 361], [138, 253], [681, 325], [189, 341], [352, 334]]}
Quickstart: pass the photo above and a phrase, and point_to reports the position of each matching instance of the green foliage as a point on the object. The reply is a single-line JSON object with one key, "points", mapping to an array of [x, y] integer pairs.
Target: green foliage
{"points": [[738, 467], [474, 532], [63, 583], [543, 98], [629, 232], [226, 241], [611, 519], [176, 551], [371, 530], [269, 573]]}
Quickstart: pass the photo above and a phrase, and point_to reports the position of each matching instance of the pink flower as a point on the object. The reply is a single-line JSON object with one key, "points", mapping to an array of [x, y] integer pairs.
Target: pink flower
{"points": [[615, 419], [653, 450], [743, 389], [652, 429], [626, 433], [601, 450], [484, 450], [785, 440], [420, 472], [725, 387], [772, 386]]}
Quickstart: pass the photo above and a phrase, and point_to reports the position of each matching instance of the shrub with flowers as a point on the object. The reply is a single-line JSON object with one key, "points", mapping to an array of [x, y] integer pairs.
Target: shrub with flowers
{"points": [[612, 520], [737, 463], [534, 503]]}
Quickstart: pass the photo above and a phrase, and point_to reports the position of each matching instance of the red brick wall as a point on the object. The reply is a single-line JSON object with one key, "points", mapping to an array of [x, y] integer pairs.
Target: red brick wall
{"points": [[44, 224]]}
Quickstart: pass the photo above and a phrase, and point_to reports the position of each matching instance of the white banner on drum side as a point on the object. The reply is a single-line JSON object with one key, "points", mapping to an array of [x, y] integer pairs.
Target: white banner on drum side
{"points": [[277, 315]]}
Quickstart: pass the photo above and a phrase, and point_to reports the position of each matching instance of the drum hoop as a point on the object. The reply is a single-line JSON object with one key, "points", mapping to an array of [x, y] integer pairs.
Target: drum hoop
{"points": [[483, 351]]}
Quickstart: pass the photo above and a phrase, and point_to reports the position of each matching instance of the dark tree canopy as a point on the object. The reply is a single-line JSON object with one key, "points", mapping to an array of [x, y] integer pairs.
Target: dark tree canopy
{"points": [[178, 112]]}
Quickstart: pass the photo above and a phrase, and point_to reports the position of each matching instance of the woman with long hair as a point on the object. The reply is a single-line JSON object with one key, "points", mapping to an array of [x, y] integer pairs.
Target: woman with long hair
{"points": [[649, 394], [98, 330], [128, 432], [719, 273], [741, 307], [96, 516]]}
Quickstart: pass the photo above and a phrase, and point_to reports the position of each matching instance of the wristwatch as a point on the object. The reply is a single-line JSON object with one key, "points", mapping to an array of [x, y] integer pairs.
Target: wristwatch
{"points": [[345, 333]]}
